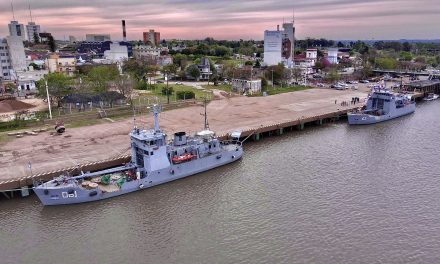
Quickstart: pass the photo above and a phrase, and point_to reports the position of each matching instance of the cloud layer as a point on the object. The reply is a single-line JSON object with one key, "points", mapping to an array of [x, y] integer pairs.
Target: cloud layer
{"points": [[230, 19]]}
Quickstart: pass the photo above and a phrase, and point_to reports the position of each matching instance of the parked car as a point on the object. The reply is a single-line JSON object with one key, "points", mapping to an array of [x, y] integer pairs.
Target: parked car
{"points": [[179, 83], [159, 81]]}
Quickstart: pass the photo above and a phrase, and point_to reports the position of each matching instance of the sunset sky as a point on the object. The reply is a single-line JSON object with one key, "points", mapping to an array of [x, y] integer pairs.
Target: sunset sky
{"points": [[230, 19]]}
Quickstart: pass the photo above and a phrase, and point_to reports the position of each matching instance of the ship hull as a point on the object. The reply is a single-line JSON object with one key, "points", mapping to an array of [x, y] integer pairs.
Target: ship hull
{"points": [[73, 194], [367, 119]]}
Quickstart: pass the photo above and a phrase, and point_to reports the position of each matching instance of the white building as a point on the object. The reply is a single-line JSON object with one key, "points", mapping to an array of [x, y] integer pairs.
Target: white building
{"points": [[117, 53], [279, 46], [246, 86], [5, 63], [332, 55], [273, 41], [205, 69], [17, 30], [32, 31], [17, 56], [146, 51], [26, 80]]}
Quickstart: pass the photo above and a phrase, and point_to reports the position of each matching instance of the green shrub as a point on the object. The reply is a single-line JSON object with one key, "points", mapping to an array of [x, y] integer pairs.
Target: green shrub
{"points": [[141, 85], [167, 91], [181, 95]]}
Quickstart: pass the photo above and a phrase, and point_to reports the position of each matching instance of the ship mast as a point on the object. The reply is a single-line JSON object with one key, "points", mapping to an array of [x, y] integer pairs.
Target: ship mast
{"points": [[206, 117], [156, 109]]}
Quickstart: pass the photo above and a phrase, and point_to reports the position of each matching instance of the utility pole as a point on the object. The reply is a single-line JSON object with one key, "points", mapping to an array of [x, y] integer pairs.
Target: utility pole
{"points": [[48, 100]]}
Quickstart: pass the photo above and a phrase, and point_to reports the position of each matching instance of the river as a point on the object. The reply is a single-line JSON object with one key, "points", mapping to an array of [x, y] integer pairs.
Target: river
{"points": [[331, 194]]}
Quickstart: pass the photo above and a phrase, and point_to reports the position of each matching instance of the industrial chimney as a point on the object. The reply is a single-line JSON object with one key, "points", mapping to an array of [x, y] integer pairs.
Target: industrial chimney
{"points": [[124, 33], [278, 27]]}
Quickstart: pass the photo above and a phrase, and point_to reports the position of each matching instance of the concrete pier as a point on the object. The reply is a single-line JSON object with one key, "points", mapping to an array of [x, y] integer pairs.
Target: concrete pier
{"points": [[107, 145]]}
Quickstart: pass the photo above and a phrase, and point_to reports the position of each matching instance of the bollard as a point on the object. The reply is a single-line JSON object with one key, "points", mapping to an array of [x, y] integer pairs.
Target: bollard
{"points": [[24, 191]]}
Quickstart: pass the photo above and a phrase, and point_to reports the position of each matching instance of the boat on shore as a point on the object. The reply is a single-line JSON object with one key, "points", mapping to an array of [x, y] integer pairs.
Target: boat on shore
{"points": [[431, 97], [382, 105], [153, 162]]}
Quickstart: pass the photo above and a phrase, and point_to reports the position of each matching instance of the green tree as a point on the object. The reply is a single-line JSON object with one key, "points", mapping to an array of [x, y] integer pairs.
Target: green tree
{"points": [[59, 85], [333, 75], [406, 56], [193, 71], [386, 63], [296, 73], [124, 85], [167, 90], [275, 73], [170, 69], [100, 78], [135, 68], [365, 72]]}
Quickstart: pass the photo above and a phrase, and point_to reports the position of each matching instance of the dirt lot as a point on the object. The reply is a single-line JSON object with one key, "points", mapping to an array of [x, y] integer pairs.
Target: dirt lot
{"points": [[103, 141]]}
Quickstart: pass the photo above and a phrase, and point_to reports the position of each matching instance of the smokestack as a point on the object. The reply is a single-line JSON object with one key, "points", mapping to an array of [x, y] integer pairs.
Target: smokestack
{"points": [[124, 33], [278, 27]]}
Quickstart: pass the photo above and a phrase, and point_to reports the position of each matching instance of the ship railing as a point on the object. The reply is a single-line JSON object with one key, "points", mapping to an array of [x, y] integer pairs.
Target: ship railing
{"points": [[231, 142]]}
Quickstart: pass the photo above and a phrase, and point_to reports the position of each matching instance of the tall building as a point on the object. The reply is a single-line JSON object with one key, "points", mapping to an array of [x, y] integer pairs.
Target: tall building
{"points": [[5, 63], [12, 57], [152, 37], [288, 43], [17, 30], [32, 31], [279, 46], [98, 37], [273, 41], [16, 53]]}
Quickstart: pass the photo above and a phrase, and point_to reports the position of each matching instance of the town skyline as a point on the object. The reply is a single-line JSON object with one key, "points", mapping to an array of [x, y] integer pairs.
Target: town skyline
{"points": [[176, 19]]}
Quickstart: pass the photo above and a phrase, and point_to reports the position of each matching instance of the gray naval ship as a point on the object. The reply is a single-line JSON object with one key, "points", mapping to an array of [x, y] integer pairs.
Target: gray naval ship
{"points": [[382, 105], [153, 162]]}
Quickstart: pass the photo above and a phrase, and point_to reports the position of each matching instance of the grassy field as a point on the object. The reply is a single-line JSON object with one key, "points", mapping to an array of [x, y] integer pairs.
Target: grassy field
{"points": [[150, 96], [279, 90], [224, 87]]}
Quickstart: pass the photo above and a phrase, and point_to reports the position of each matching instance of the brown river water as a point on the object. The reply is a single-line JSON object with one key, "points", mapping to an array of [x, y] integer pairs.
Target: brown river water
{"points": [[331, 194]]}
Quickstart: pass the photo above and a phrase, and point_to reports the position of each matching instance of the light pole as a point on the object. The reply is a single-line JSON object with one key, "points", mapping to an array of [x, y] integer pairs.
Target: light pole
{"points": [[48, 99]]}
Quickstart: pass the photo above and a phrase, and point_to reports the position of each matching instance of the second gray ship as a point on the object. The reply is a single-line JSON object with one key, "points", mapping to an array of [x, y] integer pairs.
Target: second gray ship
{"points": [[382, 105], [153, 162]]}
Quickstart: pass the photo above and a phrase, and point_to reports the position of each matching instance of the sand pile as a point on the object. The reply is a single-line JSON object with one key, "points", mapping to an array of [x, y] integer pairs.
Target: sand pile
{"points": [[13, 105]]}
